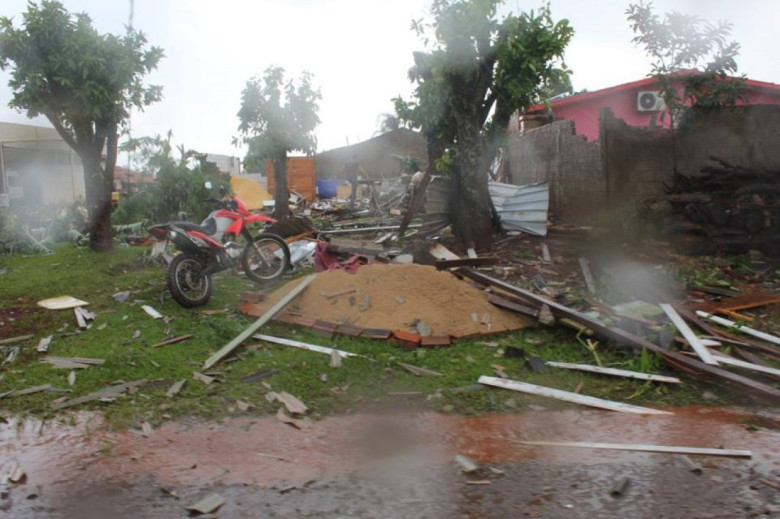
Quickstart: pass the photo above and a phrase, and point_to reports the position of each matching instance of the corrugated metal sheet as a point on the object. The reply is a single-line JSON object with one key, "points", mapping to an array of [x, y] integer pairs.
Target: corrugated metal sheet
{"points": [[522, 208]]}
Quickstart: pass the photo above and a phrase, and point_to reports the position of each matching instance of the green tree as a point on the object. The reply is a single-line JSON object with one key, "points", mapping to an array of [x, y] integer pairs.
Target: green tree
{"points": [[178, 187], [693, 61], [478, 71], [277, 117], [85, 83]]}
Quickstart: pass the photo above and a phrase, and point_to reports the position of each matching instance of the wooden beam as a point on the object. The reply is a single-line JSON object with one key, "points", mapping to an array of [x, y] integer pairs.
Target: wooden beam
{"points": [[747, 365], [701, 350], [623, 337], [744, 329], [726, 453], [229, 347], [303, 345], [589, 281], [566, 396], [615, 372]]}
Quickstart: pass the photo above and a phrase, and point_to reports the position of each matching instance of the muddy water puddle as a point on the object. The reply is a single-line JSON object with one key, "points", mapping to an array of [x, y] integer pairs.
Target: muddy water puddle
{"points": [[264, 452]]}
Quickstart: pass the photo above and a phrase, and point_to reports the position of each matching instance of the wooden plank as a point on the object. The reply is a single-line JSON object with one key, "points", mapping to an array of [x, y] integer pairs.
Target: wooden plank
{"points": [[743, 302], [418, 371], [207, 505], [701, 350], [511, 305], [27, 391], [589, 281], [623, 337], [667, 449], [615, 372], [80, 321], [744, 329], [173, 340], [43, 344], [567, 396], [747, 365], [304, 346], [229, 347], [546, 254], [175, 388], [109, 392], [13, 340]]}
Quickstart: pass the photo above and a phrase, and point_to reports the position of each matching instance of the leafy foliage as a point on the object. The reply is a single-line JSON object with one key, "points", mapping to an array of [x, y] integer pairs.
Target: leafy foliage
{"points": [[277, 117], [179, 183], [478, 71], [694, 62], [85, 83]]}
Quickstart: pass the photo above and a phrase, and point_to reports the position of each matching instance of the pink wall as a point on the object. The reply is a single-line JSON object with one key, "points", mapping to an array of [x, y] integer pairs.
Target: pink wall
{"points": [[583, 109]]}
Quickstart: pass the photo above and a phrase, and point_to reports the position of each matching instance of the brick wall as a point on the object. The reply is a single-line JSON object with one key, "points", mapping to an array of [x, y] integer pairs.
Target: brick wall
{"points": [[571, 165]]}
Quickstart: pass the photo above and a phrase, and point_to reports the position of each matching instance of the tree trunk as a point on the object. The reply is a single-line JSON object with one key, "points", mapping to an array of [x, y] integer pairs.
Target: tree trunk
{"points": [[98, 190], [470, 205], [281, 190]]}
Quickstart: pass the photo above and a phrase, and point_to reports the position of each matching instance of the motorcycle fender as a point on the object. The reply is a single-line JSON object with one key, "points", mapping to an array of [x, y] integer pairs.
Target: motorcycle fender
{"points": [[259, 218]]}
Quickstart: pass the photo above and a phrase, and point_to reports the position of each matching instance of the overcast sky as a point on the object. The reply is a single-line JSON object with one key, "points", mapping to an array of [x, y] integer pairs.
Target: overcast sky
{"points": [[359, 52]]}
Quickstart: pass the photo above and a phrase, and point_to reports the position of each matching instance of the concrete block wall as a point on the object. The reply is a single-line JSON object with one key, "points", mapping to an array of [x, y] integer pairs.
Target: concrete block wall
{"points": [[572, 166]]}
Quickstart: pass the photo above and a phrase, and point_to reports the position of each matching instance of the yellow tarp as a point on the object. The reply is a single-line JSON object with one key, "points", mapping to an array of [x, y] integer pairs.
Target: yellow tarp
{"points": [[248, 190]]}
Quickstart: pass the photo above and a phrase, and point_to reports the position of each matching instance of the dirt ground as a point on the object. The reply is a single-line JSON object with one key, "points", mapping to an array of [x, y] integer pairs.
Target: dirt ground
{"points": [[397, 465]]}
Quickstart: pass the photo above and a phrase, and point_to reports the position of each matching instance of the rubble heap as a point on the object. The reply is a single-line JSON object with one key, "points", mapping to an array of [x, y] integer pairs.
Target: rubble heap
{"points": [[727, 209]]}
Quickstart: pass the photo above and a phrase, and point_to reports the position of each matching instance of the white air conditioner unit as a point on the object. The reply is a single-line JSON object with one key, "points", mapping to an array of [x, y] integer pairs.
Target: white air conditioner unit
{"points": [[649, 101]]}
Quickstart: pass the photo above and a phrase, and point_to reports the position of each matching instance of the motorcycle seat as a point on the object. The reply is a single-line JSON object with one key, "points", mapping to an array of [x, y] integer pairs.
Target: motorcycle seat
{"points": [[208, 228]]}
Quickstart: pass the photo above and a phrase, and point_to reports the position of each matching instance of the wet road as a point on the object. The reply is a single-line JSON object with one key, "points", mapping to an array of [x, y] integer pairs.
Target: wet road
{"points": [[397, 465]]}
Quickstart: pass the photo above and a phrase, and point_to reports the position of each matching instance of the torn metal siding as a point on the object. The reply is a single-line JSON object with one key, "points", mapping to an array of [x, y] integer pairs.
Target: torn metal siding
{"points": [[522, 208]]}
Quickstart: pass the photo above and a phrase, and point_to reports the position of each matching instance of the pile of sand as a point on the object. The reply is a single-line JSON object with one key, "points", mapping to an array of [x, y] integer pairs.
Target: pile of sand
{"points": [[395, 297]]}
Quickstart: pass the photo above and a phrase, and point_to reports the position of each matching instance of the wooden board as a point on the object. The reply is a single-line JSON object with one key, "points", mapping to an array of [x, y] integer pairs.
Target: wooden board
{"points": [[229, 347], [728, 453], [615, 372], [567, 396], [744, 302], [743, 329], [701, 350], [303, 345]]}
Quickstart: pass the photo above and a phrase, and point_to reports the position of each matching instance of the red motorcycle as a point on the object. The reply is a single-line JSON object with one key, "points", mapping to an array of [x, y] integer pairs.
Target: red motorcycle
{"points": [[212, 247]]}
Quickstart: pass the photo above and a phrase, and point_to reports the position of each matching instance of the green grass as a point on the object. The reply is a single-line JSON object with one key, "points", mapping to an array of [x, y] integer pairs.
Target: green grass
{"points": [[360, 383]]}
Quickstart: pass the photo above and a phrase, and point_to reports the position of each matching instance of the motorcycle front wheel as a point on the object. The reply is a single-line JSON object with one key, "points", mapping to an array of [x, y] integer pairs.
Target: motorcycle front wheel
{"points": [[186, 282], [265, 258]]}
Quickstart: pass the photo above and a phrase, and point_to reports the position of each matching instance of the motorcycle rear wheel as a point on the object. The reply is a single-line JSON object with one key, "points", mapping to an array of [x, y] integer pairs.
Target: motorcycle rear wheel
{"points": [[265, 258], [186, 282]]}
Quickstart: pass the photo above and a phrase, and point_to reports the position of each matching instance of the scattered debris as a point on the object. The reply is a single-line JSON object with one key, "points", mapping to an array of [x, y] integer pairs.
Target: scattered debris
{"points": [[744, 329], [109, 393], [228, 348], [619, 488], [536, 364], [257, 376], [693, 340], [303, 345], [154, 314], [699, 451], [691, 465], [14, 340], [284, 418], [567, 396], [43, 344], [587, 275], [71, 378], [292, 404], [61, 303], [418, 372], [466, 464], [203, 378], [27, 391], [72, 362], [207, 504], [616, 372], [173, 340], [175, 388]]}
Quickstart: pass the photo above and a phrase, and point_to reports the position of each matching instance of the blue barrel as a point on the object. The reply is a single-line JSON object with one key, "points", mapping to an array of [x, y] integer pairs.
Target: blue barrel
{"points": [[328, 187]]}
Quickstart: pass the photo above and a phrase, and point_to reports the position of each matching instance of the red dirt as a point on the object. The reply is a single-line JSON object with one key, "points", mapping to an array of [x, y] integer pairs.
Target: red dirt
{"points": [[399, 296]]}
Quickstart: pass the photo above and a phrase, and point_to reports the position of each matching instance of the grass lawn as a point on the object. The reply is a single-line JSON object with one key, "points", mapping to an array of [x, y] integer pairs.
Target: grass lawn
{"points": [[123, 334]]}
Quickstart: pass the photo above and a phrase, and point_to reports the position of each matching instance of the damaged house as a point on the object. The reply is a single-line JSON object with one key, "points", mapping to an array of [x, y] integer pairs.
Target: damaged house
{"points": [[608, 157]]}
